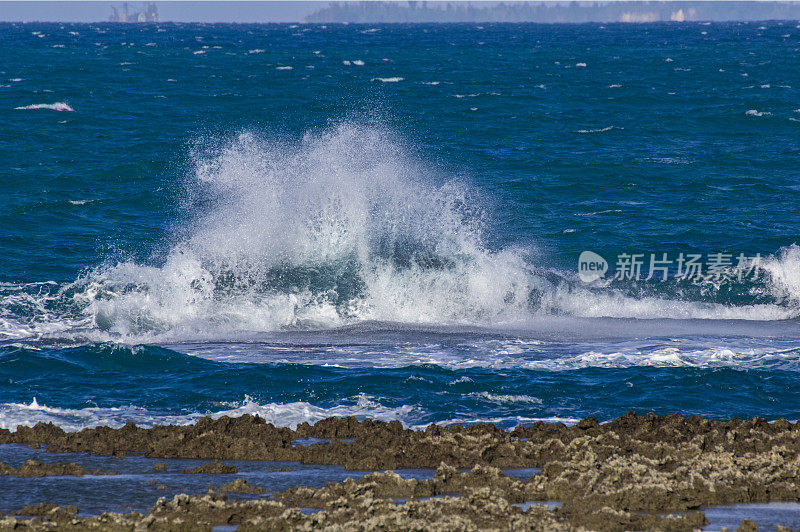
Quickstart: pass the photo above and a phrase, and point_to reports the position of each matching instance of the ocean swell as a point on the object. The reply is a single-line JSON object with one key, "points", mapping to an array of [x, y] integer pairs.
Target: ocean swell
{"points": [[344, 226]]}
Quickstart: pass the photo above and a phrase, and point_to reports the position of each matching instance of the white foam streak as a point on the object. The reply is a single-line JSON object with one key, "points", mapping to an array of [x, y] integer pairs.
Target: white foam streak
{"points": [[505, 399], [599, 130], [672, 357], [289, 415], [581, 302], [58, 106], [279, 414]]}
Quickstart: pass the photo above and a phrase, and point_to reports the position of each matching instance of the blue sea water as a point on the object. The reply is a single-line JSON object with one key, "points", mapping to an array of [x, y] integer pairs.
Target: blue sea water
{"points": [[386, 221], [137, 486]]}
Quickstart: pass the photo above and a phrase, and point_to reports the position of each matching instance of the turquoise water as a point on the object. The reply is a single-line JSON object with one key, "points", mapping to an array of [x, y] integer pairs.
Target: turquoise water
{"points": [[305, 220]]}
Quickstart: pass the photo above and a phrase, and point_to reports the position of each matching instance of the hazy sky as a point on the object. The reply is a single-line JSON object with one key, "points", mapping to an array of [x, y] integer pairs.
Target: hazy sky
{"points": [[189, 11]]}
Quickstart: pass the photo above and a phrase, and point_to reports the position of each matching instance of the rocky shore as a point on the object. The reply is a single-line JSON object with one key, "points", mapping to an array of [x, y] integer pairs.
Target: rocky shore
{"points": [[633, 473], [32, 468]]}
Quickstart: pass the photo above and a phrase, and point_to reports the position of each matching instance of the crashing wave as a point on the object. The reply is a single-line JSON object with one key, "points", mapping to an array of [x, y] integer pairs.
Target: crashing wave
{"points": [[343, 227]]}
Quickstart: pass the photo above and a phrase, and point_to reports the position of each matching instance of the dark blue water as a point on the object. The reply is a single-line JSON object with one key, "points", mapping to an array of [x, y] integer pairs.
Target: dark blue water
{"points": [[386, 221]]}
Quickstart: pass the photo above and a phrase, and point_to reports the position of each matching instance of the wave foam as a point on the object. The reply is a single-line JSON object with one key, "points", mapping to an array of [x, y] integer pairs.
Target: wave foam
{"points": [[505, 399], [58, 106], [673, 357], [586, 303], [289, 415], [599, 130], [784, 274], [279, 414]]}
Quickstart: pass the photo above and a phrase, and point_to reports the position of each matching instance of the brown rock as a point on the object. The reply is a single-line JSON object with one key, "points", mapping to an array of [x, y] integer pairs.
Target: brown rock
{"points": [[214, 468], [240, 485]]}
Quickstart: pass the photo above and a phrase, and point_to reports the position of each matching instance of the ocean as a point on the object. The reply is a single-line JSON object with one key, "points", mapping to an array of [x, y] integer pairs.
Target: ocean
{"points": [[389, 221]]}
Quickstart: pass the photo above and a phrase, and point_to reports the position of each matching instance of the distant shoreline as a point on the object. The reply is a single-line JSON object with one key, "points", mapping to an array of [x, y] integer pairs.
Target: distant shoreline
{"points": [[555, 12], [399, 23], [401, 12]]}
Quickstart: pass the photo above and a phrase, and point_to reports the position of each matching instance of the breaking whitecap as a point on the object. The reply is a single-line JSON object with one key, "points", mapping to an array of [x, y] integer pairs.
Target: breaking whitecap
{"points": [[58, 106]]}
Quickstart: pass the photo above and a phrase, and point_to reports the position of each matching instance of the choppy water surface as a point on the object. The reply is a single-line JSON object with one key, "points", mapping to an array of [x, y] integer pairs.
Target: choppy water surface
{"points": [[302, 221]]}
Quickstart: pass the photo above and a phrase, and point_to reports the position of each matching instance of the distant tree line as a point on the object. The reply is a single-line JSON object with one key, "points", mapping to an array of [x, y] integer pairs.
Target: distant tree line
{"points": [[550, 12]]}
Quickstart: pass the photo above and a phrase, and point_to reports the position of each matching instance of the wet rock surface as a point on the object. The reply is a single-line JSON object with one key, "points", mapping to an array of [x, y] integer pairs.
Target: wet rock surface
{"points": [[240, 485], [214, 468], [635, 472], [33, 468]]}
